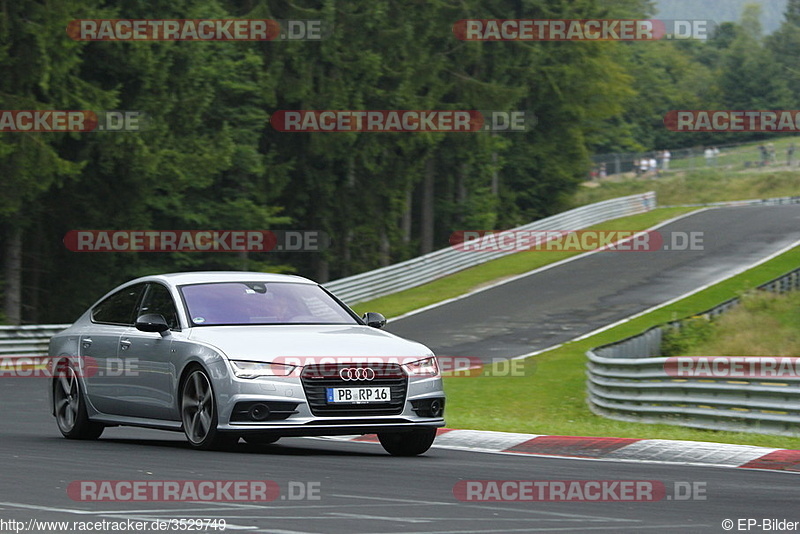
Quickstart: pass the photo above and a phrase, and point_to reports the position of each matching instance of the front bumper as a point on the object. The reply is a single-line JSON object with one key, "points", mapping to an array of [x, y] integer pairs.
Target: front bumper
{"points": [[290, 413], [333, 428]]}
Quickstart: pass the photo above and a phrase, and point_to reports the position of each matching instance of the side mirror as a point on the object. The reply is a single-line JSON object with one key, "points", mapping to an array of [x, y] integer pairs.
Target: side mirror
{"points": [[375, 320], [152, 322]]}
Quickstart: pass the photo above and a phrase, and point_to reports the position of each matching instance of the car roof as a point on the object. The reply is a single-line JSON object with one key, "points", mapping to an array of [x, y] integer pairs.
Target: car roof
{"points": [[199, 277]]}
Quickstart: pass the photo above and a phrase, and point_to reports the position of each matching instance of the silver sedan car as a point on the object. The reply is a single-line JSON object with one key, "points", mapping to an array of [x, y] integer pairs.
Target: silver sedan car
{"points": [[227, 355]]}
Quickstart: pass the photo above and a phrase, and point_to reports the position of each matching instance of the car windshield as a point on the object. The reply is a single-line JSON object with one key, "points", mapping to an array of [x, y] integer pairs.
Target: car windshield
{"points": [[236, 303]]}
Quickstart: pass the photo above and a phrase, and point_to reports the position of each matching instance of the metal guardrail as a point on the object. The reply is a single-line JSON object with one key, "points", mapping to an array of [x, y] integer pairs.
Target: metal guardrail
{"points": [[28, 341], [627, 380], [424, 269]]}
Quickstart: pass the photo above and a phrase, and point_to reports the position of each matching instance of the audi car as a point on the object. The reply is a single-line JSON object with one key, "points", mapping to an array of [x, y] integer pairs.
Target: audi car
{"points": [[224, 356]]}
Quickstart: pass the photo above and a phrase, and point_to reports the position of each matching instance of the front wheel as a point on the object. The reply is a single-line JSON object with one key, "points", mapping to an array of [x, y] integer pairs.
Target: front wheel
{"points": [[199, 413], [407, 443], [70, 407]]}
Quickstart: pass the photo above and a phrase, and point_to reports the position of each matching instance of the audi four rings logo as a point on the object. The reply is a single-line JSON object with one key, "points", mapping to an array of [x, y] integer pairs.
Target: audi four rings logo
{"points": [[356, 373]]}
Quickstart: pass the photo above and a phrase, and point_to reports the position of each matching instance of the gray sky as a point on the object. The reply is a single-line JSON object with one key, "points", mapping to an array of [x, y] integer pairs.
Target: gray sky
{"points": [[721, 10]]}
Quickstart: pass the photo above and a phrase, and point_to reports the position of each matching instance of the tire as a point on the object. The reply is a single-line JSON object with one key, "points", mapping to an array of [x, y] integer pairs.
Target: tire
{"points": [[69, 406], [261, 439], [199, 413], [411, 443]]}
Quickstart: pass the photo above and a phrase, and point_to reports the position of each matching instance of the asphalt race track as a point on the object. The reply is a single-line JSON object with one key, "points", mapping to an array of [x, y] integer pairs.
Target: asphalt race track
{"points": [[559, 304], [357, 488]]}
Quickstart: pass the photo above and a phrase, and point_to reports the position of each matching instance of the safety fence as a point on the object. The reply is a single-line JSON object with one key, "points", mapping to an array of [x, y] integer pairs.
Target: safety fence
{"points": [[630, 380], [781, 155]]}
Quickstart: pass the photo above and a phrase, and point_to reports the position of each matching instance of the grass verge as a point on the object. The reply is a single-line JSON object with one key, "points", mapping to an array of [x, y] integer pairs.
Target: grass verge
{"points": [[738, 157], [764, 324], [698, 187]]}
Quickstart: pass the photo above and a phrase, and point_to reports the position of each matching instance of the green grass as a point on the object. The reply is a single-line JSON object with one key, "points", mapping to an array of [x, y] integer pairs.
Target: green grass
{"points": [[698, 187], [551, 396], [469, 279], [764, 324], [736, 157]]}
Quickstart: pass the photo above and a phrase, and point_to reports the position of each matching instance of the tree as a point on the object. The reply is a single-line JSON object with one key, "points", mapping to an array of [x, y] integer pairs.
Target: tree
{"points": [[199, 164], [749, 78], [784, 48], [41, 69]]}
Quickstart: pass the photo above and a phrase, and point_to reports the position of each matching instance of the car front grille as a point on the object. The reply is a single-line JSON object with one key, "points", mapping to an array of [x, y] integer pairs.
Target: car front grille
{"points": [[317, 378]]}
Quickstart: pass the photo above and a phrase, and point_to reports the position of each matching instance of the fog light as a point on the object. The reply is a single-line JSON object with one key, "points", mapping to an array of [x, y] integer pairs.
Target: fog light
{"points": [[436, 408], [428, 407], [258, 412]]}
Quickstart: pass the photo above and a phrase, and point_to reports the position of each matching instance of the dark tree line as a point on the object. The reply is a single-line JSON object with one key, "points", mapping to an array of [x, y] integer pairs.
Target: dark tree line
{"points": [[210, 160]]}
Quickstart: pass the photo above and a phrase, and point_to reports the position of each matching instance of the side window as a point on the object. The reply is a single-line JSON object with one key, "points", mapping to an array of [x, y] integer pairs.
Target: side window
{"points": [[158, 300], [120, 307]]}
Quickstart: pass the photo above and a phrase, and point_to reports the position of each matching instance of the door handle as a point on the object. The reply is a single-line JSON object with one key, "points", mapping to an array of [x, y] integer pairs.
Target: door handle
{"points": [[125, 344], [86, 342]]}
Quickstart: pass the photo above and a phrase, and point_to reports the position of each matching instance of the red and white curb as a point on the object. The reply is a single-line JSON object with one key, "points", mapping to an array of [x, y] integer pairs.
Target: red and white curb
{"points": [[616, 449]]}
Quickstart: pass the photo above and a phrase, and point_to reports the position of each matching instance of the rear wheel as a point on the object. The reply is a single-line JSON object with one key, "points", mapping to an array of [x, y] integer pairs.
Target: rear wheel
{"points": [[407, 443], [70, 407], [199, 413]]}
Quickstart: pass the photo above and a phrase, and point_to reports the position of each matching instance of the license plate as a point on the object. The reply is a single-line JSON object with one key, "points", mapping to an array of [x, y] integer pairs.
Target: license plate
{"points": [[358, 395]]}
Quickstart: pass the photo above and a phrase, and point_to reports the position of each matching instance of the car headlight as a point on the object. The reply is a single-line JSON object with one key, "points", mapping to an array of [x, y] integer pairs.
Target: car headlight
{"points": [[424, 367], [244, 369]]}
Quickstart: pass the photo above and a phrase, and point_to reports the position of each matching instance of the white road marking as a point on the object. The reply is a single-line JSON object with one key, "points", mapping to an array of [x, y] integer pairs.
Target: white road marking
{"points": [[382, 518], [635, 528], [484, 506]]}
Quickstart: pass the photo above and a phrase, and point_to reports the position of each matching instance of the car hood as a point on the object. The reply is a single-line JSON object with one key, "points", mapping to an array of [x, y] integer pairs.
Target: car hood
{"points": [[268, 342]]}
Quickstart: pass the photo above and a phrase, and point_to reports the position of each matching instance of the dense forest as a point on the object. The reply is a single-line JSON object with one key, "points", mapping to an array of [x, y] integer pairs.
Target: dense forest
{"points": [[209, 158]]}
